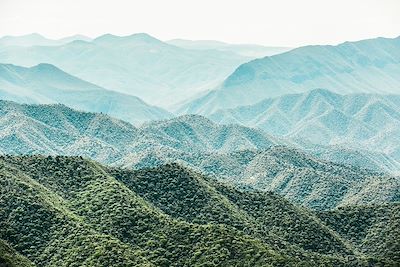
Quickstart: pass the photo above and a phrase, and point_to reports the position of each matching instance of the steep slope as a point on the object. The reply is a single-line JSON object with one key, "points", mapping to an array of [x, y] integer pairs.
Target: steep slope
{"points": [[46, 83], [59, 222], [247, 50], [367, 66], [378, 161], [138, 65], [359, 121]]}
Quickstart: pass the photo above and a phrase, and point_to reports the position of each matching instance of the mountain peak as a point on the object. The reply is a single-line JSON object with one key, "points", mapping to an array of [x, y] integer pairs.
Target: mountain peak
{"points": [[142, 36], [105, 37], [136, 37], [46, 67], [75, 37]]}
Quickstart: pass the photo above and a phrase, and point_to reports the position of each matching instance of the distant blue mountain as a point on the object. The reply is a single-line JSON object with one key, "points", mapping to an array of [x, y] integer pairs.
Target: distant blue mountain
{"points": [[37, 39], [45, 84], [138, 64], [368, 66]]}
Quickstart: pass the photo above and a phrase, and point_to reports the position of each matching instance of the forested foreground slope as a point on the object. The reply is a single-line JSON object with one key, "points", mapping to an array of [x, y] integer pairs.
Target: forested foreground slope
{"points": [[68, 211]]}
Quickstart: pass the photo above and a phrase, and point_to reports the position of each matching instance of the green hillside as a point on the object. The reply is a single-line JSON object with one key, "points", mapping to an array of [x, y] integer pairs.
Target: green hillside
{"points": [[69, 211]]}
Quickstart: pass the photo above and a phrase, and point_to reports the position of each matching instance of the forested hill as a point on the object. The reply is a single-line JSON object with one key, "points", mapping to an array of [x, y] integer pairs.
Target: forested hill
{"points": [[68, 211]]}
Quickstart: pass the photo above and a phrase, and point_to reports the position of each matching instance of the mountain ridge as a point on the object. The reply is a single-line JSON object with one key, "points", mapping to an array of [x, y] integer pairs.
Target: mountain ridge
{"points": [[45, 83], [358, 121], [366, 66], [138, 64], [39, 40], [229, 152]]}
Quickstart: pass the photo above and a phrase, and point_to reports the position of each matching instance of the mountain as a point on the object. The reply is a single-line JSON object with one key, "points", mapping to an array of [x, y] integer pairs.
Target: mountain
{"points": [[247, 50], [358, 121], [57, 129], [378, 161], [45, 83], [367, 66], [299, 177], [165, 216], [76, 37], [35, 39], [231, 153], [192, 133], [138, 65]]}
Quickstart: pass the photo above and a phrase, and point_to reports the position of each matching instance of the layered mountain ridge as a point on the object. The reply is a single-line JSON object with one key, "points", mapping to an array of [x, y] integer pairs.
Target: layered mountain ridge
{"points": [[35, 39], [137, 64], [232, 153], [255, 168], [366, 66], [358, 121], [46, 84]]}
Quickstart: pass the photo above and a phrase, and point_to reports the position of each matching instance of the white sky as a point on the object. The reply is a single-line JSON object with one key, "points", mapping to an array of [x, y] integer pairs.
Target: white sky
{"points": [[280, 22]]}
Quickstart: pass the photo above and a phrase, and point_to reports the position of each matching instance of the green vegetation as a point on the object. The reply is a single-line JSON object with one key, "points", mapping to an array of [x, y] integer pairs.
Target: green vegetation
{"points": [[189, 196], [69, 211], [374, 230], [10, 258]]}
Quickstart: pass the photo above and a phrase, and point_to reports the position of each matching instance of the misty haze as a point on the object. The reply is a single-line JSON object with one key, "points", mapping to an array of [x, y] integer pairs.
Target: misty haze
{"points": [[188, 133]]}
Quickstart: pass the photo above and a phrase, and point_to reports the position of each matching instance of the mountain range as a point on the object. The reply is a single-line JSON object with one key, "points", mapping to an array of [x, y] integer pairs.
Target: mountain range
{"points": [[134, 218], [45, 84], [243, 156], [290, 159], [35, 39], [59, 129], [138, 64], [367, 66], [359, 121]]}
